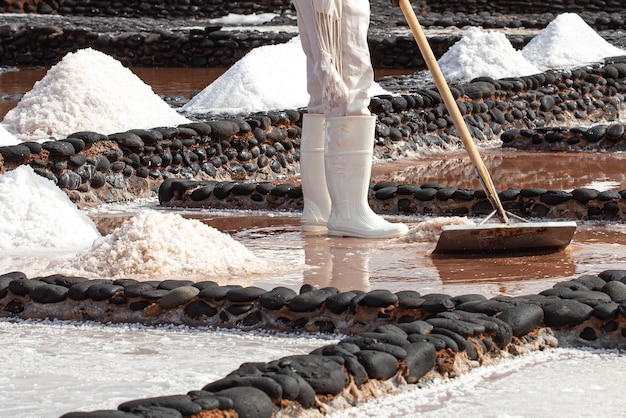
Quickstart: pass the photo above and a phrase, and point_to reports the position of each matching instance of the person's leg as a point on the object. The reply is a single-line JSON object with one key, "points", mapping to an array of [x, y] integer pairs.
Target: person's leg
{"points": [[348, 165], [316, 207], [350, 130]]}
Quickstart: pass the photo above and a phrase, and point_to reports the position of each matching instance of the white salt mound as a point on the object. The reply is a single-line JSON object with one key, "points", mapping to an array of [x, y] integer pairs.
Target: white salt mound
{"points": [[6, 138], [36, 214], [157, 246], [88, 90], [568, 42], [484, 54], [271, 77]]}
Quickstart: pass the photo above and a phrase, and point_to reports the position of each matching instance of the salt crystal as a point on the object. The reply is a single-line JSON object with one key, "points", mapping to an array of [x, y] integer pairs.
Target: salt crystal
{"points": [[6, 138], [156, 246], [271, 77], [36, 214], [568, 42], [88, 90], [484, 54]]}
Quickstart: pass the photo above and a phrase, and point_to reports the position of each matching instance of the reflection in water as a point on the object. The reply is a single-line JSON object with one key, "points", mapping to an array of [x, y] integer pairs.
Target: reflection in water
{"points": [[335, 262], [516, 169]]}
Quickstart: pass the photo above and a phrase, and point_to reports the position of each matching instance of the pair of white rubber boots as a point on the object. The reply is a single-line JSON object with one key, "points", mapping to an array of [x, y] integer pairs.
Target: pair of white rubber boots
{"points": [[335, 166]]}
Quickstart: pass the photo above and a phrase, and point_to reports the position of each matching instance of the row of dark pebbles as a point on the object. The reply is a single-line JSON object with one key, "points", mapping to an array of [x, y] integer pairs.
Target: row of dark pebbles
{"points": [[407, 343]]}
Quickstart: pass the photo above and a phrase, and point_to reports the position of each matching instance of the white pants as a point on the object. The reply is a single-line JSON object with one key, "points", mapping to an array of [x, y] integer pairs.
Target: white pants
{"points": [[339, 69]]}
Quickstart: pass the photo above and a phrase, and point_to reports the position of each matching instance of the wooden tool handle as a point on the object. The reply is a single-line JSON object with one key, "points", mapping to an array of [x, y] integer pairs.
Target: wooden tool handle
{"points": [[453, 109]]}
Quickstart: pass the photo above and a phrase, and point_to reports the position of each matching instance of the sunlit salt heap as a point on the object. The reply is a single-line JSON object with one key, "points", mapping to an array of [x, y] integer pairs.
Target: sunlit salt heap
{"points": [[6, 138], [88, 90], [271, 77], [568, 42], [36, 214], [484, 54], [154, 245]]}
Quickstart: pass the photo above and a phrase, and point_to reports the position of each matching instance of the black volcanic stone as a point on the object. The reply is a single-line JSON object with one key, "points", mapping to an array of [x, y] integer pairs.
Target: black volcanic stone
{"points": [[266, 384], [22, 287], [178, 296], [249, 402], [339, 302], [605, 311], [69, 281], [555, 197], [584, 195], [205, 284], [49, 293], [522, 318], [356, 370], [567, 312], [103, 413], [378, 365], [181, 403], [102, 291], [216, 292], [409, 299], [153, 294], [592, 282], [13, 153], [462, 343], [379, 335], [277, 298], [324, 376], [365, 342], [610, 275], [290, 388], [79, 290], [173, 284], [137, 289], [420, 359], [62, 149], [244, 294], [416, 327], [616, 290], [462, 328], [434, 303], [425, 194], [198, 309], [310, 301], [379, 298]]}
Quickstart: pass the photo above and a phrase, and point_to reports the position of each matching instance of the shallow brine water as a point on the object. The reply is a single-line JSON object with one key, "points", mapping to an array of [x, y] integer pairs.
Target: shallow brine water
{"points": [[93, 366]]}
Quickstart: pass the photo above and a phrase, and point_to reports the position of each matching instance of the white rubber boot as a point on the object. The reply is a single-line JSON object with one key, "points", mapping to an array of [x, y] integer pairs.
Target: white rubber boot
{"points": [[349, 149], [313, 177]]}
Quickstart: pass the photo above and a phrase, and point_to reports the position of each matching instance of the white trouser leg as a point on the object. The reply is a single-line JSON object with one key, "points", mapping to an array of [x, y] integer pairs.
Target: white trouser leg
{"points": [[312, 174], [348, 151]]}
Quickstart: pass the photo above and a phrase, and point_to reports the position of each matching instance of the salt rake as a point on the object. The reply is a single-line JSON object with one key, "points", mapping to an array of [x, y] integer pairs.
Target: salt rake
{"points": [[485, 238]]}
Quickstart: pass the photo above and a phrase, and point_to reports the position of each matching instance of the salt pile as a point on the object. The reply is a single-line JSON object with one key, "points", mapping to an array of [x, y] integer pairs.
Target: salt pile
{"points": [[158, 246], [271, 77], [568, 42], [6, 138], [484, 54], [36, 214], [88, 90], [565, 43]]}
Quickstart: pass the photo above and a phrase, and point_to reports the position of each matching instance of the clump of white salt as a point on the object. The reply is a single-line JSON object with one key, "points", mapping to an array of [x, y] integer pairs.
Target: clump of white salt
{"points": [[484, 54], [88, 90], [36, 214], [6, 138], [156, 246], [429, 230], [271, 77], [567, 42]]}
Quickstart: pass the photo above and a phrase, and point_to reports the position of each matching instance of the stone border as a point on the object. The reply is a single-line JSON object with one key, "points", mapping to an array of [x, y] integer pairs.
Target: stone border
{"points": [[394, 339]]}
